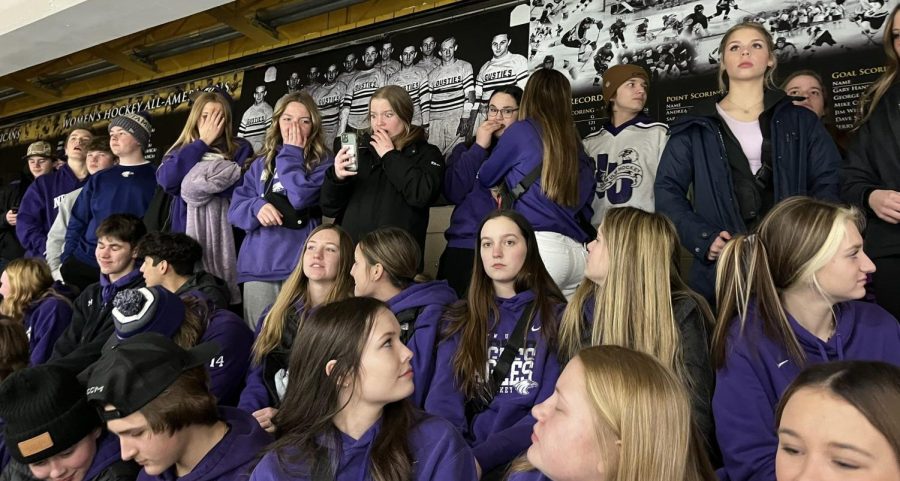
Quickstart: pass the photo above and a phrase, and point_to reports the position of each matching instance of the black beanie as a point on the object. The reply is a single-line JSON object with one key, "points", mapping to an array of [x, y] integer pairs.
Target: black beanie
{"points": [[46, 412]]}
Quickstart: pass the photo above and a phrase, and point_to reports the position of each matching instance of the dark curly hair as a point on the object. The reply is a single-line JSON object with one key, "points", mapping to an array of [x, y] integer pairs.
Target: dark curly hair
{"points": [[180, 250]]}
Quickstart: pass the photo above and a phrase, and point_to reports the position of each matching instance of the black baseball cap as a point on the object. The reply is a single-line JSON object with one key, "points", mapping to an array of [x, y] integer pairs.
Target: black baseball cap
{"points": [[138, 369]]}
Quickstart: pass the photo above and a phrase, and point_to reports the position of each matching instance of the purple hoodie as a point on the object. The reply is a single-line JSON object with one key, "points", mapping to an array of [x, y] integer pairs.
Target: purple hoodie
{"points": [[232, 459], [503, 431], [271, 253], [432, 297], [228, 369], [439, 454], [39, 207], [518, 152], [45, 320], [473, 200], [258, 390], [757, 371], [177, 164]]}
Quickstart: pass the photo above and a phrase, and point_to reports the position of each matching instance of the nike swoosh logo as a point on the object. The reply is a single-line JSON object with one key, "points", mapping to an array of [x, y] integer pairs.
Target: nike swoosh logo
{"points": [[782, 363], [535, 328]]}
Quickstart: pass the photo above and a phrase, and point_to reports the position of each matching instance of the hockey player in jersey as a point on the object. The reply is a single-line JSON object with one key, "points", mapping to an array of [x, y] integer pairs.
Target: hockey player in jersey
{"points": [[617, 33], [429, 60], [452, 99], [505, 68], [627, 148], [724, 6], [328, 97], [312, 80], [349, 65], [577, 35], [388, 65], [293, 82], [364, 83], [696, 23], [785, 51], [256, 119], [414, 79]]}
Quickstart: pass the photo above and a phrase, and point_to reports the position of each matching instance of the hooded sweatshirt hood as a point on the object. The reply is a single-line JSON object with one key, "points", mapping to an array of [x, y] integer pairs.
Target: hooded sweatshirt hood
{"points": [[421, 294], [233, 458], [757, 371], [420, 309]]}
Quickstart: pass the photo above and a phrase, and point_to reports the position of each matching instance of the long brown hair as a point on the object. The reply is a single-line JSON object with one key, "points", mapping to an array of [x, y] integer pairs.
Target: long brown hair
{"points": [[29, 281], [225, 144], [872, 387], [307, 437], [470, 317], [769, 79], [548, 101], [402, 105], [634, 307], [314, 152], [396, 251], [869, 100], [196, 320], [295, 290], [799, 236]]}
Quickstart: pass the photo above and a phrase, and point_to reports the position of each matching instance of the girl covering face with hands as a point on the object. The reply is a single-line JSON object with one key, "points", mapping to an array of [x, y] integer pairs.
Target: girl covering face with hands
{"points": [[397, 177], [461, 187], [277, 201]]}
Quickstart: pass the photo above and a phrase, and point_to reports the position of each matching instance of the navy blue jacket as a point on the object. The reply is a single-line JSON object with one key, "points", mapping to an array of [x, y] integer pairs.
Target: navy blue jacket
{"points": [[804, 158]]}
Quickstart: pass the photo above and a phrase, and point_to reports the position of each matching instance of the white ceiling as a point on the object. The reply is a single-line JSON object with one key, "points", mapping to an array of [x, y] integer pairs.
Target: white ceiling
{"points": [[35, 31]]}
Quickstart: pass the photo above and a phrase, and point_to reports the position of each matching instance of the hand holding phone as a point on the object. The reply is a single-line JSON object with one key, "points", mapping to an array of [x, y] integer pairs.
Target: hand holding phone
{"points": [[345, 162], [348, 141]]}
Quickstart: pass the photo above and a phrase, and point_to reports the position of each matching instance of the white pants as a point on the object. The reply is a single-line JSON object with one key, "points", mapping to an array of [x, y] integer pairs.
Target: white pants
{"points": [[258, 295], [442, 133], [564, 259]]}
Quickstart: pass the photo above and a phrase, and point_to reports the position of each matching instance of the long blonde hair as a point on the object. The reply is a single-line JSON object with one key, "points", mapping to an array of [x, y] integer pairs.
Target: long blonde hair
{"points": [[634, 307], [29, 280], [869, 100], [314, 152], [799, 236], [225, 144], [769, 79], [295, 290], [548, 101], [645, 407]]}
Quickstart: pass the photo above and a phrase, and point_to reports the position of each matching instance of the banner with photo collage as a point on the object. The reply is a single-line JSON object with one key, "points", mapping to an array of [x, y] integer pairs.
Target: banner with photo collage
{"points": [[677, 42]]}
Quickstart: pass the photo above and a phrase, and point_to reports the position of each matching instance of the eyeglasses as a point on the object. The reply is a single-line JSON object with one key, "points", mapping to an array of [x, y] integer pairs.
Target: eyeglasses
{"points": [[503, 113]]}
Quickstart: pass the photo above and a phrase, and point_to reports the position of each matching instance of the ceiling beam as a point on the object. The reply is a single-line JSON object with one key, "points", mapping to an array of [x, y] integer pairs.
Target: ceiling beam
{"points": [[29, 88], [126, 62], [254, 30]]}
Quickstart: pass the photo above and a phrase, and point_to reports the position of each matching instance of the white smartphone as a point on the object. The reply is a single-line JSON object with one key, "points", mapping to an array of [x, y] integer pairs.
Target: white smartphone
{"points": [[348, 140]]}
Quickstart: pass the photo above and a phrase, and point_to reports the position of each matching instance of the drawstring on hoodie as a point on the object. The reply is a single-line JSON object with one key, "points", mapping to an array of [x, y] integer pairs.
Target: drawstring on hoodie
{"points": [[839, 346]]}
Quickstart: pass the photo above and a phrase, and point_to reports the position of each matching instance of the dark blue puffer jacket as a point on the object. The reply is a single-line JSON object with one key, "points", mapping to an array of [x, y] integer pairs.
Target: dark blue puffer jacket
{"points": [[804, 158]]}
